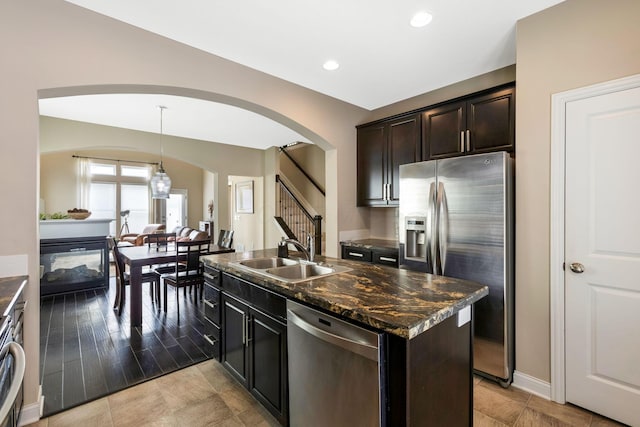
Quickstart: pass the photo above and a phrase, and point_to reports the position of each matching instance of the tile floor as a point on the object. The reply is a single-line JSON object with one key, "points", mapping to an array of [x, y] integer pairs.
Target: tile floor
{"points": [[206, 395]]}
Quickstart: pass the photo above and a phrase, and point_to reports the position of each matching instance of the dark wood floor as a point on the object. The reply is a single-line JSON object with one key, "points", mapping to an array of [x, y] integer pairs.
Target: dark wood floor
{"points": [[87, 351]]}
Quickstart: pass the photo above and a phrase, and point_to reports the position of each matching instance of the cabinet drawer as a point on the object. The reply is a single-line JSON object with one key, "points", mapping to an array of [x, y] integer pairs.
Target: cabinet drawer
{"points": [[385, 258], [212, 303], [211, 276], [212, 339], [358, 254], [258, 297]]}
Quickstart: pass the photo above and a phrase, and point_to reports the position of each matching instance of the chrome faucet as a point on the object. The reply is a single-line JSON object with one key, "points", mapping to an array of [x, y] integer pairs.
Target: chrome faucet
{"points": [[309, 252]]}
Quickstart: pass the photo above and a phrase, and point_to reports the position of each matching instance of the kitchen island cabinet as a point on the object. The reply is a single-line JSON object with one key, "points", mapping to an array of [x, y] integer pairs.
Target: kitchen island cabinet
{"points": [[252, 337], [426, 369]]}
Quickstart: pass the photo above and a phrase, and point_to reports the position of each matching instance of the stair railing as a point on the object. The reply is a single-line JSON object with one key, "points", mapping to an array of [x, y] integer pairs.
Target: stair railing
{"points": [[299, 221]]}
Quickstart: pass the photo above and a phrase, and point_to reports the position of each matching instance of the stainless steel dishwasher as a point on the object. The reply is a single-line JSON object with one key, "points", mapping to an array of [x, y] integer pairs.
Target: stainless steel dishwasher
{"points": [[334, 371]]}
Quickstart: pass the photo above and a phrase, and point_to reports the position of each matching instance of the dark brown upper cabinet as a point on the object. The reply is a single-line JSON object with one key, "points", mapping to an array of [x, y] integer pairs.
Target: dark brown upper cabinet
{"points": [[382, 148], [478, 124]]}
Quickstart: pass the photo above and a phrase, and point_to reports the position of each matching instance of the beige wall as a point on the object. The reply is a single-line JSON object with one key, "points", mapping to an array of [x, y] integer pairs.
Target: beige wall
{"points": [[55, 48], [58, 179], [574, 44]]}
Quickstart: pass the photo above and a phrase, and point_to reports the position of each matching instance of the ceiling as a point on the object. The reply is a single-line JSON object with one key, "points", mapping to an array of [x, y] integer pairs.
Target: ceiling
{"points": [[382, 58]]}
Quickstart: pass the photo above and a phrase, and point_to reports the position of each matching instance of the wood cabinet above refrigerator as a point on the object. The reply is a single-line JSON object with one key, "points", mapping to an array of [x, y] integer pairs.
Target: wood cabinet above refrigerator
{"points": [[478, 124]]}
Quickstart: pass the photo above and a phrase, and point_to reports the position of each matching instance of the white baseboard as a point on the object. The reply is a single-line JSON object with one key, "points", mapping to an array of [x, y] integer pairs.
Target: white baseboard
{"points": [[532, 385], [33, 412]]}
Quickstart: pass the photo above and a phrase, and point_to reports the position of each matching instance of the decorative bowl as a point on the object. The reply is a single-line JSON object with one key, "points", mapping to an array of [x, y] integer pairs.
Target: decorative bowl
{"points": [[79, 215]]}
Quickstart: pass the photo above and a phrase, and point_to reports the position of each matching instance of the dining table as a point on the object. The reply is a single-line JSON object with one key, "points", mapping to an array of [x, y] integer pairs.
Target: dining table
{"points": [[137, 257]]}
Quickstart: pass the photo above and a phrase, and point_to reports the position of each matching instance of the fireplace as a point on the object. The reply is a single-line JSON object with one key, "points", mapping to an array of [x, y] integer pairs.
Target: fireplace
{"points": [[74, 255], [73, 264]]}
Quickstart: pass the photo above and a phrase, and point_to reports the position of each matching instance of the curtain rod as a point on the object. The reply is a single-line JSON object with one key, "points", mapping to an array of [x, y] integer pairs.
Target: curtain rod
{"points": [[114, 160]]}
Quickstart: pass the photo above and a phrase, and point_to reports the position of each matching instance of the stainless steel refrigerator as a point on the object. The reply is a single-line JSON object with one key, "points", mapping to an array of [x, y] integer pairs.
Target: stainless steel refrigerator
{"points": [[456, 220]]}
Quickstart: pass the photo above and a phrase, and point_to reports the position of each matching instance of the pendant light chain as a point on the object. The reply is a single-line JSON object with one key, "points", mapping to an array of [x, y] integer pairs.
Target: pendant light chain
{"points": [[162, 108], [160, 182]]}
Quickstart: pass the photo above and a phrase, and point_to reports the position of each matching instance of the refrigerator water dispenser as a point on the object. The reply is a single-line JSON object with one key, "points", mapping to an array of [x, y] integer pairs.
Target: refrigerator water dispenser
{"points": [[416, 243]]}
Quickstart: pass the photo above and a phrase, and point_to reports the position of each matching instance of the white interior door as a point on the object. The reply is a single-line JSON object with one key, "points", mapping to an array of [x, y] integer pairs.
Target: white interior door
{"points": [[176, 209], [602, 226]]}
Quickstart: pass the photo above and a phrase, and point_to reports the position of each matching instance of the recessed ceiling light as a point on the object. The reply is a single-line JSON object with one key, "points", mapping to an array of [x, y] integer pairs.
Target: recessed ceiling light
{"points": [[421, 19], [331, 65]]}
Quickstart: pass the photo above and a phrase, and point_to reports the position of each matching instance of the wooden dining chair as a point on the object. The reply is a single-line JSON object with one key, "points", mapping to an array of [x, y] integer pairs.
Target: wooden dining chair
{"points": [[123, 279], [160, 241], [188, 254]]}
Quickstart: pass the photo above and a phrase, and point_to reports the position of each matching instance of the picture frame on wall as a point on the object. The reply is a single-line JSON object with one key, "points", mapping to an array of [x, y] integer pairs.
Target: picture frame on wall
{"points": [[244, 197]]}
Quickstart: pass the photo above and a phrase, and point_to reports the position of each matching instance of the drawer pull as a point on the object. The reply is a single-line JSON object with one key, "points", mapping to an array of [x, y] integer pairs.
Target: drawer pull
{"points": [[210, 304], [211, 341], [356, 254], [210, 277], [384, 258]]}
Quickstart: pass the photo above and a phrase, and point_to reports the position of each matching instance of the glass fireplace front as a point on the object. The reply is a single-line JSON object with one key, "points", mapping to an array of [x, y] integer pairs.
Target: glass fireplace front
{"points": [[73, 264]]}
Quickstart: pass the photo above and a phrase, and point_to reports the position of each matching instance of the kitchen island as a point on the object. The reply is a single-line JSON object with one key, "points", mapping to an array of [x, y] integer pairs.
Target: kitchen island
{"points": [[426, 365]]}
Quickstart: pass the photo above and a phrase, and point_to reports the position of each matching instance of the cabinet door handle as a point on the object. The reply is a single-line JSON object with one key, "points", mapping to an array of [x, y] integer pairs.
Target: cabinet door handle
{"points": [[468, 140], [384, 258], [244, 330], [210, 304], [356, 254], [248, 332], [462, 141], [209, 340]]}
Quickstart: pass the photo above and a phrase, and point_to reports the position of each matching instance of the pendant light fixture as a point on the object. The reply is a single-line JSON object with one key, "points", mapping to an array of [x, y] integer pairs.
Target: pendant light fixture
{"points": [[160, 182]]}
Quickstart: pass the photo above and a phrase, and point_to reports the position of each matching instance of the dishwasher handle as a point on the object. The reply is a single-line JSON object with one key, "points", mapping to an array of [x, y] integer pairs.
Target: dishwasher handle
{"points": [[363, 349]]}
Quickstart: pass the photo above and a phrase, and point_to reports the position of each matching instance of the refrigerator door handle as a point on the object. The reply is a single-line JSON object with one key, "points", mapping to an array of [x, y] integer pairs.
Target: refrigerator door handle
{"points": [[443, 227], [431, 224]]}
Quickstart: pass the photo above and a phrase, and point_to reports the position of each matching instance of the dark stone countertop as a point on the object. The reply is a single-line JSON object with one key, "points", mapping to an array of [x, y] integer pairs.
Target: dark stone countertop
{"points": [[9, 288], [380, 244], [400, 302]]}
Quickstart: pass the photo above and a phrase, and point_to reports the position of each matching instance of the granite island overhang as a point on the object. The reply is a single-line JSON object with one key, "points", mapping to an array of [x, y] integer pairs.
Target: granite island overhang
{"points": [[401, 302]]}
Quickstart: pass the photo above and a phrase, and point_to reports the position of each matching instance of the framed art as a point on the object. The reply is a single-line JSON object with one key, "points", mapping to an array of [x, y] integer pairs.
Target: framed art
{"points": [[244, 197]]}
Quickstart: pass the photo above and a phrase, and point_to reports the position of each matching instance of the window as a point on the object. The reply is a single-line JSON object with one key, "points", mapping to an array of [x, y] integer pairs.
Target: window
{"points": [[102, 202], [135, 199], [135, 171], [115, 188], [102, 169]]}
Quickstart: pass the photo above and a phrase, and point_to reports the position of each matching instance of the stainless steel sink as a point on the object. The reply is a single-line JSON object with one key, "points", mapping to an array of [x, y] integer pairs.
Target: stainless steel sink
{"points": [[301, 271], [289, 270], [264, 263]]}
